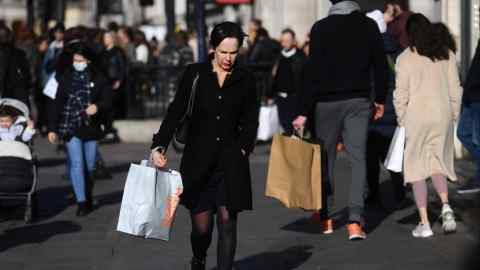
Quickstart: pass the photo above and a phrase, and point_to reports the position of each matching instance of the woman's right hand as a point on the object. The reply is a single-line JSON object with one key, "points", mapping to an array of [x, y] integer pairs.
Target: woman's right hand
{"points": [[159, 159], [52, 137]]}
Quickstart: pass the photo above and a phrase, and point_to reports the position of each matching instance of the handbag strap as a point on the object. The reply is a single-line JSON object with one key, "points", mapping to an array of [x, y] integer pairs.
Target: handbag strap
{"points": [[191, 101]]}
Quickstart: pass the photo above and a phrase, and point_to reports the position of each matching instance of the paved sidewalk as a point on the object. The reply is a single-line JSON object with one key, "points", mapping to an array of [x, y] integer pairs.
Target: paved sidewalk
{"points": [[271, 237]]}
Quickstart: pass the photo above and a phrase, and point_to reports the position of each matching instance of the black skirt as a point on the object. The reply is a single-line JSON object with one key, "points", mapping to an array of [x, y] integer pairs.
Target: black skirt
{"points": [[212, 196]]}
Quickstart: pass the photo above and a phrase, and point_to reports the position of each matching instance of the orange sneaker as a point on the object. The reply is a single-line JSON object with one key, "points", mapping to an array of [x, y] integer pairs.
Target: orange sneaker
{"points": [[327, 224], [355, 232]]}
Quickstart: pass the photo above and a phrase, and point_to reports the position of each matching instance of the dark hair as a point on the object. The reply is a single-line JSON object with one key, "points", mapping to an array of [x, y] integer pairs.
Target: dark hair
{"points": [[59, 27], [404, 5], [226, 30], [262, 33], [6, 35], [82, 49], [10, 111], [128, 32], [421, 37], [112, 26], [444, 37], [289, 31], [257, 22]]}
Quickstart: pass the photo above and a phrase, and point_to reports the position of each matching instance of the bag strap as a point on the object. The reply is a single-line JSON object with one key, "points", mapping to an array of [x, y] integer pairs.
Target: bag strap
{"points": [[191, 100], [192, 95]]}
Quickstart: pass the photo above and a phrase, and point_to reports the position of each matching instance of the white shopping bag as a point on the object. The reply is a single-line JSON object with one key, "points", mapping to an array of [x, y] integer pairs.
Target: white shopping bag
{"points": [[51, 87], [150, 199], [269, 124], [394, 160]]}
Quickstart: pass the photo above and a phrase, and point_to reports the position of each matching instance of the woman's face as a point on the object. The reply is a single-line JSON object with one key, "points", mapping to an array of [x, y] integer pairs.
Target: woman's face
{"points": [[226, 53], [108, 40]]}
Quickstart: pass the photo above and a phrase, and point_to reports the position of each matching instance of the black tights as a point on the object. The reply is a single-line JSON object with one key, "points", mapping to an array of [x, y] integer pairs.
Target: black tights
{"points": [[201, 237]]}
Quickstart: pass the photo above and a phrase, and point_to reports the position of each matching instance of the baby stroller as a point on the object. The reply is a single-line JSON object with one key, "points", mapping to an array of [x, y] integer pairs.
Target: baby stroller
{"points": [[18, 170]]}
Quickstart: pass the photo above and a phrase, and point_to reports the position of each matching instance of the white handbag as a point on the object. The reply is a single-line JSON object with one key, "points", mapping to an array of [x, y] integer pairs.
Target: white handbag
{"points": [[394, 160]]}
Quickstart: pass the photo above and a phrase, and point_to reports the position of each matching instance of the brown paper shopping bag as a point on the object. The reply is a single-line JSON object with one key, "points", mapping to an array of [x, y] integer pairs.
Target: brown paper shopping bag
{"points": [[295, 173]]}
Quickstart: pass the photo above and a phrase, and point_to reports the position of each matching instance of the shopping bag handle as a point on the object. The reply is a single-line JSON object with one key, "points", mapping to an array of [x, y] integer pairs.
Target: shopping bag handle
{"points": [[298, 133]]}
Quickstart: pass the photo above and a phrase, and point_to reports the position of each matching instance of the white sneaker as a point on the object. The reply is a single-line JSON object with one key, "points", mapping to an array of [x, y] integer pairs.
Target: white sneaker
{"points": [[422, 231], [448, 219]]}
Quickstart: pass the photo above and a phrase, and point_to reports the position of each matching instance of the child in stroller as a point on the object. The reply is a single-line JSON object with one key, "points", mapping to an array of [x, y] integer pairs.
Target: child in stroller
{"points": [[14, 126], [18, 177]]}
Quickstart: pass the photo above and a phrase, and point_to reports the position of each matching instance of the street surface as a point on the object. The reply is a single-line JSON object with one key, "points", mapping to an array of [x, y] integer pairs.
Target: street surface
{"points": [[270, 237]]}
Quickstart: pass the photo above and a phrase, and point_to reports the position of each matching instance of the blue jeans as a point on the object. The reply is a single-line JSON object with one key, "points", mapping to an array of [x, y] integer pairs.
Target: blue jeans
{"points": [[80, 153], [469, 132]]}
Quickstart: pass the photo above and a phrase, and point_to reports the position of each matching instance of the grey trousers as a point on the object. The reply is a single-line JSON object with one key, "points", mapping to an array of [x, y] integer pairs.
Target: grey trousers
{"points": [[349, 120]]}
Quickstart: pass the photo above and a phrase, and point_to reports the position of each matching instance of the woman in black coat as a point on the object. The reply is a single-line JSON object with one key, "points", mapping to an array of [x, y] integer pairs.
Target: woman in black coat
{"points": [[74, 117], [223, 129]]}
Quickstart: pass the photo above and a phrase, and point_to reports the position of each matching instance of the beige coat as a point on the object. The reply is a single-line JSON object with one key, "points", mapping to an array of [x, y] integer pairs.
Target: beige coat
{"points": [[427, 102]]}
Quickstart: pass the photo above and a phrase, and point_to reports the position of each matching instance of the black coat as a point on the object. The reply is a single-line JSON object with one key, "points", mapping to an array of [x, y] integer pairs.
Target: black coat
{"points": [[15, 77], [100, 95], [224, 121], [114, 64], [289, 74]]}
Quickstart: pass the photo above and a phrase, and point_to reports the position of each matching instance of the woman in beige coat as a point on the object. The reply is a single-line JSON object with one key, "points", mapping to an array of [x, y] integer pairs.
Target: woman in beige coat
{"points": [[427, 102]]}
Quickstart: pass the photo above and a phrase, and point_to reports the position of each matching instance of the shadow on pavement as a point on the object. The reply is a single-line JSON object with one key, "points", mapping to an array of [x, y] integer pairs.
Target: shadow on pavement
{"points": [[51, 162], [35, 234], [288, 259], [121, 168]]}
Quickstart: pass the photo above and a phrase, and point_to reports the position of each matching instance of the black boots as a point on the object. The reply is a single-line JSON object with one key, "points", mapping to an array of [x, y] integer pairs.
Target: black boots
{"points": [[83, 209], [197, 264]]}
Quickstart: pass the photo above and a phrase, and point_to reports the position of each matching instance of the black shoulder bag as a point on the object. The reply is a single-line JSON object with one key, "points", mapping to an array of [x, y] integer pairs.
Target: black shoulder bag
{"points": [[181, 133]]}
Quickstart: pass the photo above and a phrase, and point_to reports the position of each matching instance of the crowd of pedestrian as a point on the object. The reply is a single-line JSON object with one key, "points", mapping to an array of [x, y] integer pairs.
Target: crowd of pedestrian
{"points": [[357, 77]]}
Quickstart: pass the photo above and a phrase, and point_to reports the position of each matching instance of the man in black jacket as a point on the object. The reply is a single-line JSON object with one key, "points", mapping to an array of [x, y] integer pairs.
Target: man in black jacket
{"points": [[15, 77], [288, 79], [345, 48]]}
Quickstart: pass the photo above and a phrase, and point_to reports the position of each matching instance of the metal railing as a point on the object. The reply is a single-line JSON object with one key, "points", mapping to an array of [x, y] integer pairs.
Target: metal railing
{"points": [[151, 88]]}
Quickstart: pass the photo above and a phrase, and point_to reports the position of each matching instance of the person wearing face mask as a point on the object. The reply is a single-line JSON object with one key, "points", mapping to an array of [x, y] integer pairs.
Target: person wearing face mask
{"points": [[288, 79], [74, 117], [221, 136]]}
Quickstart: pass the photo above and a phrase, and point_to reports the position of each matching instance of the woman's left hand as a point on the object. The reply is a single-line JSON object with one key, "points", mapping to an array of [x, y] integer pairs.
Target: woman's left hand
{"points": [[92, 109]]}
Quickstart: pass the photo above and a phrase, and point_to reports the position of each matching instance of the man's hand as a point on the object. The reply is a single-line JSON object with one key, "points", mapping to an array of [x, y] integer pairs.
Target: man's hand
{"points": [[379, 111], [52, 137], [92, 109], [159, 159], [299, 122], [116, 85]]}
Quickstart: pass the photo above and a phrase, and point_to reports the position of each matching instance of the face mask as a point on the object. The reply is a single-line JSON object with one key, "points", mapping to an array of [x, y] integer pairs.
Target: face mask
{"points": [[80, 66]]}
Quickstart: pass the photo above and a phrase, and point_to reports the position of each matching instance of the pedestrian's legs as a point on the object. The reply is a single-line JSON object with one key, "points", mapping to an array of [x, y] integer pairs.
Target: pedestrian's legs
{"points": [[440, 185], [284, 115], [383, 143], [355, 133], [76, 167], [420, 193], [373, 165], [465, 135], [328, 123], [227, 238], [201, 236], [90, 149], [398, 186]]}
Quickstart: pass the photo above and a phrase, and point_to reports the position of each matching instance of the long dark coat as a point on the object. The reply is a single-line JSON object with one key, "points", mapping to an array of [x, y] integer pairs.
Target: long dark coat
{"points": [[100, 95], [224, 121]]}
